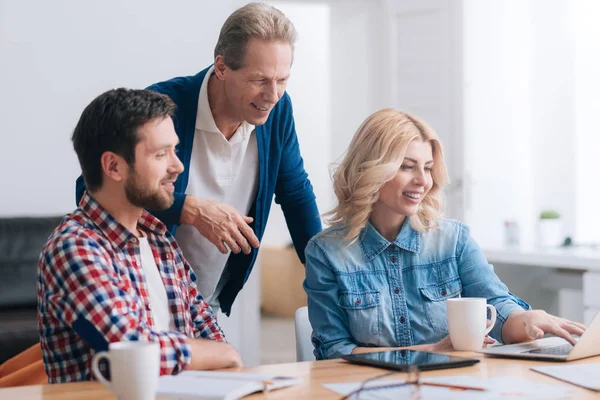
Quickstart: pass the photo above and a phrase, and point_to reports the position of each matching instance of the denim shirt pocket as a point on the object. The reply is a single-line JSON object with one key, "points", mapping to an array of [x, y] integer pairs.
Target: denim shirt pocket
{"points": [[364, 315], [434, 301]]}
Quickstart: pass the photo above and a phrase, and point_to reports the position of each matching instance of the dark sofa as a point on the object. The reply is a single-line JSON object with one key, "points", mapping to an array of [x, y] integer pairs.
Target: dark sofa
{"points": [[21, 240]]}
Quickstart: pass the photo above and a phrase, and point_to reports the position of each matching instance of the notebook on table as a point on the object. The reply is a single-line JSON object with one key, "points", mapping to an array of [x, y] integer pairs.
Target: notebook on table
{"points": [[212, 385]]}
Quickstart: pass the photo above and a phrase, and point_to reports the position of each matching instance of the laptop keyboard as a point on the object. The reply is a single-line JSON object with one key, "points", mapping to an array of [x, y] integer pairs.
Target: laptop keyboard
{"points": [[561, 350]]}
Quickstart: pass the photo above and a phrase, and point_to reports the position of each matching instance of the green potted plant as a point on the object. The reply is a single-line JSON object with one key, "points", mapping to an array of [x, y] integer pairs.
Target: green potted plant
{"points": [[550, 229]]}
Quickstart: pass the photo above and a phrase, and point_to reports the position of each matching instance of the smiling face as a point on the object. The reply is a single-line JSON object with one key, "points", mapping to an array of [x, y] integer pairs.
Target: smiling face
{"points": [[254, 89], [402, 195], [149, 183]]}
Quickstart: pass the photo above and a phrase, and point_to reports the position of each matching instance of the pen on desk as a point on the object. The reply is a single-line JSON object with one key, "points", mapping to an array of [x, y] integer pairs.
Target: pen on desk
{"points": [[451, 386]]}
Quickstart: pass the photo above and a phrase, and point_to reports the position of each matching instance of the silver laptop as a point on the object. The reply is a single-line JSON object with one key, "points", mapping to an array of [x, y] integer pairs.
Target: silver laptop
{"points": [[553, 348]]}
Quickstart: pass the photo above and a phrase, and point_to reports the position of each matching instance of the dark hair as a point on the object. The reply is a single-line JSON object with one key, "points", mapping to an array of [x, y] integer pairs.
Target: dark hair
{"points": [[110, 123]]}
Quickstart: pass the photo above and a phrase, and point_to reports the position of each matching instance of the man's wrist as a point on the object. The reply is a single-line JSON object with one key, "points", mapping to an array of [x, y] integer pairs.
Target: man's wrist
{"points": [[190, 211]]}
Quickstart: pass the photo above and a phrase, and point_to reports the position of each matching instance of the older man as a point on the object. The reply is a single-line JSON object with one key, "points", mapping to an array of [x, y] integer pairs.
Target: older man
{"points": [[239, 147]]}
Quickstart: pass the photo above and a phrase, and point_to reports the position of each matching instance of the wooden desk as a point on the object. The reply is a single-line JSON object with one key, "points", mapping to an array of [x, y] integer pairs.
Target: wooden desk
{"points": [[314, 375]]}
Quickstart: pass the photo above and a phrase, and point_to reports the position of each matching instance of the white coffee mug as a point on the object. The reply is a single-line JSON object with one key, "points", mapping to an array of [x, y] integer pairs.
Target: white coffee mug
{"points": [[134, 369], [467, 322]]}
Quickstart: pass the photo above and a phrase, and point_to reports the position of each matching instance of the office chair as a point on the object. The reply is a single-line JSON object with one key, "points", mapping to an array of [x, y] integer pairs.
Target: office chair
{"points": [[304, 347]]}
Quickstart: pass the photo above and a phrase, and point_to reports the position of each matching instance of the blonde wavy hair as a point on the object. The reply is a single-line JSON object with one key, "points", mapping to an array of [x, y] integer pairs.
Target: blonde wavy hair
{"points": [[373, 159]]}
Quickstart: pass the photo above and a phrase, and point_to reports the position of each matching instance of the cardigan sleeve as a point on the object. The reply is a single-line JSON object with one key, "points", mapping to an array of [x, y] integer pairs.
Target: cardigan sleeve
{"points": [[293, 190]]}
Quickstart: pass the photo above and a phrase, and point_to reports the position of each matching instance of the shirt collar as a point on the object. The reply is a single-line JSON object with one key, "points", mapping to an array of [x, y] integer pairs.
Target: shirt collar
{"points": [[372, 243], [112, 229], [205, 120]]}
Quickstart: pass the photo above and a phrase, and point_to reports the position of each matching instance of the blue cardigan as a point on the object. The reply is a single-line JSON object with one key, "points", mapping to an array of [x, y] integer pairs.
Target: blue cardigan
{"points": [[281, 172]]}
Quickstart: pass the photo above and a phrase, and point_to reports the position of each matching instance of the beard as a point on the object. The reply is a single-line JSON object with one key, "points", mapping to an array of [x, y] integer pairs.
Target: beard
{"points": [[142, 196]]}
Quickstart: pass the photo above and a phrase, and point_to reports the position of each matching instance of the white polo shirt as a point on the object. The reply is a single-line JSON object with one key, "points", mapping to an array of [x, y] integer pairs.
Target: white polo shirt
{"points": [[220, 170]]}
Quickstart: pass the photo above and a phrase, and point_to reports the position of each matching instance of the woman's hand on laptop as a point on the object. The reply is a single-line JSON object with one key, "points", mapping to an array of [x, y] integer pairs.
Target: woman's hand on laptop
{"points": [[522, 326]]}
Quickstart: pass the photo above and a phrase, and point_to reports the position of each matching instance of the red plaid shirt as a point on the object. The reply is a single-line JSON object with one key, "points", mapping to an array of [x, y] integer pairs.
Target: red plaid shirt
{"points": [[92, 291]]}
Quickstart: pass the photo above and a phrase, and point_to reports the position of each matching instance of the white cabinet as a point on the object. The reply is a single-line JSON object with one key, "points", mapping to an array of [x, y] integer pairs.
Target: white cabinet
{"points": [[591, 295]]}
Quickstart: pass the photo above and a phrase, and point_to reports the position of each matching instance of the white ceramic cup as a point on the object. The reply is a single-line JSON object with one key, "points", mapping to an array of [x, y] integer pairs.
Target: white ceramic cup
{"points": [[134, 369], [467, 322]]}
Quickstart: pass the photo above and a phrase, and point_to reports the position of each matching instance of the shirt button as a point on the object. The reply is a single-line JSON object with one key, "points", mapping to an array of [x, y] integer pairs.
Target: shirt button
{"points": [[149, 307], [396, 290], [393, 247], [444, 292], [402, 320], [357, 302], [402, 353], [393, 259]]}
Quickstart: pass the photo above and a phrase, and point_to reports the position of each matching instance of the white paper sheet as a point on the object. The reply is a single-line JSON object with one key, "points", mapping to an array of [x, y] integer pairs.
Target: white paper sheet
{"points": [[585, 375], [500, 388]]}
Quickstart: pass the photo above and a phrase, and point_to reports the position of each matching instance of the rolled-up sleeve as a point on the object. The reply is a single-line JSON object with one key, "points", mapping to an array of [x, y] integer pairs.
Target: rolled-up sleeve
{"points": [[331, 337], [83, 290], [479, 280]]}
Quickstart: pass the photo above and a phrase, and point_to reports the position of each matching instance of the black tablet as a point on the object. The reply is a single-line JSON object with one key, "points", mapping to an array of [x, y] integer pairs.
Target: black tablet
{"points": [[401, 360]]}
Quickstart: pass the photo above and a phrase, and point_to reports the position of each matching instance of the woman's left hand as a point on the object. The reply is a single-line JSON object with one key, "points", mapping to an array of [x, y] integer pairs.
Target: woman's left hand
{"points": [[539, 322]]}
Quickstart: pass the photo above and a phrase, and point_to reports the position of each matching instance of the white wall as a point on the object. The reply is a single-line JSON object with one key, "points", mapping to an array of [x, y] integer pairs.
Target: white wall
{"points": [[57, 56], [587, 105], [531, 87], [357, 56], [498, 118], [309, 89], [553, 107]]}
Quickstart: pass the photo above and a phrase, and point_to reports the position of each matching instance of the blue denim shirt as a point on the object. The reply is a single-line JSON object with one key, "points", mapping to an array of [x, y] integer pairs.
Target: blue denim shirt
{"points": [[377, 293]]}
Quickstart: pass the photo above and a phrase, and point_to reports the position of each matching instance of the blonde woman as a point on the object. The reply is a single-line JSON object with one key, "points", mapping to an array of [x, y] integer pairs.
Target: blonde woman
{"points": [[380, 275]]}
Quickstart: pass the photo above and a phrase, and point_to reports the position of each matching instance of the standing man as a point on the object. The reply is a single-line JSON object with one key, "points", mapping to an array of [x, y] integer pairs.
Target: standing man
{"points": [[239, 147]]}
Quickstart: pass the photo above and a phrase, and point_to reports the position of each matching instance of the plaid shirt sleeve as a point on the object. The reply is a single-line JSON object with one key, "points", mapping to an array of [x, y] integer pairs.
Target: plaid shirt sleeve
{"points": [[203, 318], [85, 292]]}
